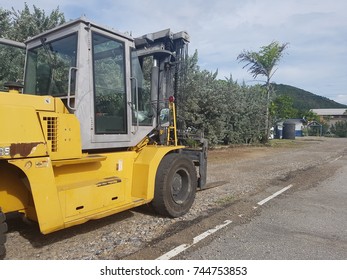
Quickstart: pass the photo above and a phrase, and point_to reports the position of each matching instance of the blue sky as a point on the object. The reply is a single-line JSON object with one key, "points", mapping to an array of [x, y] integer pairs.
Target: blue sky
{"points": [[316, 30]]}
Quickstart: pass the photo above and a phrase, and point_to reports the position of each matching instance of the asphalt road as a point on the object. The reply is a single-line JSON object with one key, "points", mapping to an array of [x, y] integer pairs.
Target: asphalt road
{"points": [[306, 222]]}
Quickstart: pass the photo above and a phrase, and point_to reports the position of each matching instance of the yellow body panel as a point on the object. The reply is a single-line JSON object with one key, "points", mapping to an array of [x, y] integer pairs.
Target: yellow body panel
{"points": [[87, 188], [22, 138], [39, 173], [37, 126], [145, 169], [70, 192], [39, 103], [62, 134], [14, 191]]}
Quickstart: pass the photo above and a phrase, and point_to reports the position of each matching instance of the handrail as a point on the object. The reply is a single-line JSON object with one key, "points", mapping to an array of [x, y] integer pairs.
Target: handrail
{"points": [[69, 90], [136, 104]]}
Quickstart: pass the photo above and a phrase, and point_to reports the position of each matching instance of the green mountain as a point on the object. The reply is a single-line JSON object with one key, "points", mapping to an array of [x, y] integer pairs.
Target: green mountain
{"points": [[304, 100]]}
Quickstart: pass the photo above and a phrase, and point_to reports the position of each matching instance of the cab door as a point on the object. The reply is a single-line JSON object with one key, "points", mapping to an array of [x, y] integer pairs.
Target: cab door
{"points": [[110, 89], [123, 113]]}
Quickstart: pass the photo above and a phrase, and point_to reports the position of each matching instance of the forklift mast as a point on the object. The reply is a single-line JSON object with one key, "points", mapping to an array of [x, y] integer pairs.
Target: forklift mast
{"points": [[170, 52]]}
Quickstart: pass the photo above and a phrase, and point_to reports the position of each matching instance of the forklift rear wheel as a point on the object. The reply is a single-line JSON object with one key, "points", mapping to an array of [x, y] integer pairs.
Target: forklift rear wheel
{"points": [[175, 186], [3, 229]]}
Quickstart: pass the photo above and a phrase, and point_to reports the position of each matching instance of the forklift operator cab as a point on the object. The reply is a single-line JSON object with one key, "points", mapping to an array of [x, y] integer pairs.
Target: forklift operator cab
{"points": [[98, 75]]}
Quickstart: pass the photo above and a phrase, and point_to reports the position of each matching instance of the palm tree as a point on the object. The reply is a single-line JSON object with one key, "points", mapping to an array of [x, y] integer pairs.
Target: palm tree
{"points": [[263, 63]]}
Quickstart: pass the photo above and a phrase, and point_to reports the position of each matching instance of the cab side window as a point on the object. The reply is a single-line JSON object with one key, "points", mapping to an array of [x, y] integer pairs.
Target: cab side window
{"points": [[109, 85]]}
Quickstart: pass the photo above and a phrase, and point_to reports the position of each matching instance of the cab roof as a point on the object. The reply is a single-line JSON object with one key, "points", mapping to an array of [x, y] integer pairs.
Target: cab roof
{"points": [[82, 20]]}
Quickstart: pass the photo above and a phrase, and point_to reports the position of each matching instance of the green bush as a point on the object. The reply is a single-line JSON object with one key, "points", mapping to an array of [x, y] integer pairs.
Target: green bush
{"points": [[340, 129]]}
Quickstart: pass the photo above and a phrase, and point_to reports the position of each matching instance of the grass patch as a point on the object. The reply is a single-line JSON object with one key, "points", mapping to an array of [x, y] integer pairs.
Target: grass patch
{"points": [[226, 200], [283, 143]]}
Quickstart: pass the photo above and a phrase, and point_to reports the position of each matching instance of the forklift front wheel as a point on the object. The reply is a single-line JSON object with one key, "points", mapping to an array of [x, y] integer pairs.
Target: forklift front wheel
{"points": [[175, 186]]}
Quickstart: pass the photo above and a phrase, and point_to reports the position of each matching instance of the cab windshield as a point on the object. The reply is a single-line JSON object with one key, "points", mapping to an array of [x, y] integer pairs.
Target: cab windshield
{"points": [[12, 57], [49, 66]]}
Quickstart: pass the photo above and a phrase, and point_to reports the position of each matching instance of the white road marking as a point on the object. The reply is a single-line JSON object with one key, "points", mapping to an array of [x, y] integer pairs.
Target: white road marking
{"points": [[335, 159], [274, 195], [179, 249]]}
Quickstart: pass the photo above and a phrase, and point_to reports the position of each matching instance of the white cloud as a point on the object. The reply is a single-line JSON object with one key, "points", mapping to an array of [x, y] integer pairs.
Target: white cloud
{"points": [[341, 98]]}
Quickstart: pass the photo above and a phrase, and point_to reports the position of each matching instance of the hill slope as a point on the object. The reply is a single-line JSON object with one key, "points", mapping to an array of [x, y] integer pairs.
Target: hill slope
{"points": [[304, 100]]}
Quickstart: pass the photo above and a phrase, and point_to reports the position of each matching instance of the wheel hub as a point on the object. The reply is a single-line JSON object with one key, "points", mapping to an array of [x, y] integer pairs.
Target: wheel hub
{"points": [[180, 186]]}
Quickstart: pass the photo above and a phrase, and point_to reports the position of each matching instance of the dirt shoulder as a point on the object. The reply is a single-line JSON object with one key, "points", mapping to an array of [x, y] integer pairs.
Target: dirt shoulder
{"points": [[243, 171]]}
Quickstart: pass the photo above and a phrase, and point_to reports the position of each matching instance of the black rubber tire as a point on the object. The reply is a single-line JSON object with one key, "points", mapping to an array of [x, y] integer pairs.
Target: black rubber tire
{"points": [[3, 230], [175, 186]]}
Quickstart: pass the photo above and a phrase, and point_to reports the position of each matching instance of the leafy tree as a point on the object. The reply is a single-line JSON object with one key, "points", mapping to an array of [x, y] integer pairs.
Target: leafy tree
{"points": [[309, 115], [4, 22], [19, 26], [339, 129], [247, 115], [263, 63], [25, 24], [201, 106], [12, 60], [12, 64], [224, 110], [282, 108]]}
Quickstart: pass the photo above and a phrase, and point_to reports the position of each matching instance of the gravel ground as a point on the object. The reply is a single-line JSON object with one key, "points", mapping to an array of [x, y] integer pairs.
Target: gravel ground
{"points": [[240, 172]]}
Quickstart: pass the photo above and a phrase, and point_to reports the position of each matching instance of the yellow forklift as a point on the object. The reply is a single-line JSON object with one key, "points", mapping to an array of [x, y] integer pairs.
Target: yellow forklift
{"points": [[93, 130]]}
